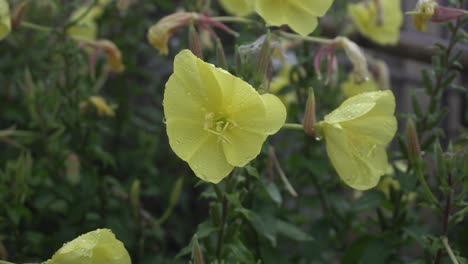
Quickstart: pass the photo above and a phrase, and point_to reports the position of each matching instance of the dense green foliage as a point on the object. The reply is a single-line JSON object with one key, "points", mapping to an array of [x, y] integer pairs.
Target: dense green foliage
{"points": [[66, 170]]}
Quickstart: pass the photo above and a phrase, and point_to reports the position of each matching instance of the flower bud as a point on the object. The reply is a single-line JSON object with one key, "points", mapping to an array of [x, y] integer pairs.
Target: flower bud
{"points": [[355, 54], [102, 108], [383, 75], [309, 115], [18, 14], [194, 42], [113, 55], [5, 19], [444, 14], [197, 254], [414, 148], [72, 165]]}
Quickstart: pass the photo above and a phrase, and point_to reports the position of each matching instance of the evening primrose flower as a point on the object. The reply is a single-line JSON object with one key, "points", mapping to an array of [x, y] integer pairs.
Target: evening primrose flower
{"points": [[300, 15], [96, 247], [378, 20], [5, 19], [356, 135], [216, 121], [238, 7]]}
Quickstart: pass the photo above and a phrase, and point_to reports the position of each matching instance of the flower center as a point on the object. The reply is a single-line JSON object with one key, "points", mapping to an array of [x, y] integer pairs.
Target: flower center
{"points": [[218, 123]]}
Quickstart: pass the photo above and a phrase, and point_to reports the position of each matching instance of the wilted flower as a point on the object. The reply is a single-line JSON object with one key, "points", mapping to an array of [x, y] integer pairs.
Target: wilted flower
{"points": [[216, 121], [356, 135], [160, 33], [112, 52], [238, 7], [99, 246], [300, 15], [103, 109], [379, 20], [5, 19], [430, 10]]}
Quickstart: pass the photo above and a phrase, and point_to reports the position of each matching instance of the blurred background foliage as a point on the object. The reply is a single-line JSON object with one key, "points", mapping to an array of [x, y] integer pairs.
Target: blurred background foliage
{"points": [[65, 169]]}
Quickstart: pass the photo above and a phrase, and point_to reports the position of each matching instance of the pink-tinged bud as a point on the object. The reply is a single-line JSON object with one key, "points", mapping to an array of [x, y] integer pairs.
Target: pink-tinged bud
{"points": [[444, 14], [309, 114], [72, 165], [197, 254], [414, 149], [18, 13]]}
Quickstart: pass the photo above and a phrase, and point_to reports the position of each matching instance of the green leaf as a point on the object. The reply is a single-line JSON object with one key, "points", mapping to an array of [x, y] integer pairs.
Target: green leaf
{"points": [[291, 231]]}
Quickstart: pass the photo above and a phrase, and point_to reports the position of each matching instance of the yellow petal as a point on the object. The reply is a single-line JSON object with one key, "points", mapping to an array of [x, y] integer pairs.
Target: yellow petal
{"points": [[351, 88], [365, 17], [300, 15], [99, 246], [238, 7], [208, 162], [242, 147], [186, 136], [5, 19], [359, 164]]}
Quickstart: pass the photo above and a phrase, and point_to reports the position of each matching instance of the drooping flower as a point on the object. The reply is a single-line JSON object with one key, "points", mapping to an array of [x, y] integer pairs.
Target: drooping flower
{"points": [[111, 51], [95, 247], [216, 121], [380, 20], [356, 135], [238, 7], [300, 15], [5, 19]]}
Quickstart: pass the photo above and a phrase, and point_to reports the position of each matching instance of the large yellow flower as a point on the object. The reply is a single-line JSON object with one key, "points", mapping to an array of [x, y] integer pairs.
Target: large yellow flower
{"points": [[238, 7], [5, 19], [96, 247], [300, 15], [216, 121], [356, 134], [380, 24]]}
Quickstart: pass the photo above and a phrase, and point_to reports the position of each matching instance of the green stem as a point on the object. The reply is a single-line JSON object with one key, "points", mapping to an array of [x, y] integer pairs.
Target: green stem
{"points": [[37, 27], [293, 126], [307, 38], [449, 250]]}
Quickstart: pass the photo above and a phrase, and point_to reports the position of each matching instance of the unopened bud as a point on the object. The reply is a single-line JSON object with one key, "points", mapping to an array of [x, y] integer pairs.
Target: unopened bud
{"points": [[383, 75], [264, 57], [18, 14], [220, 55], [72, 166], [134, 196], [197, 254], [5, 19], [194, 42], [357, 57], [414, 148], [309, 114], [444, 14]]}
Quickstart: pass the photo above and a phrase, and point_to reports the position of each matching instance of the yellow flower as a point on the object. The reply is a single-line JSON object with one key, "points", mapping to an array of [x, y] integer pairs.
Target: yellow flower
{"points": [[356, 134], [216, 121], [379, 22], [103, 109], [5, 19], [300, 15], [96, 247], [86, 28], [351, 88], [160, 33], [238, 7], [424, 11]]}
